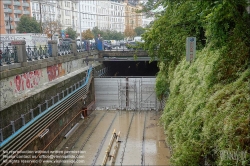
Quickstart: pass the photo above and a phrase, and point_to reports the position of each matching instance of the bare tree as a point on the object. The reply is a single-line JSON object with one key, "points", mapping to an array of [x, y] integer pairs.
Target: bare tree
{"points": [[51, 27]]}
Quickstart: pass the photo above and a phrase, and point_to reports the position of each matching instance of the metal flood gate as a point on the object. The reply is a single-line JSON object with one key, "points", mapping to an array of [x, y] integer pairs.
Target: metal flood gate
{"points": [[126, 93]]}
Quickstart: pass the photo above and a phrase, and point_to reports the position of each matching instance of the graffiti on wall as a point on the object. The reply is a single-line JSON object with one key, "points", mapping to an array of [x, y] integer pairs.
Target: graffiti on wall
{"points": [[26, 80], [55, 71]]}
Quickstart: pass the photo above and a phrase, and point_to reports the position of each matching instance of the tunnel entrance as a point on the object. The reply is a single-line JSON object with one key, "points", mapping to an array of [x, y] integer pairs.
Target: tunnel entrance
{"points": [[133, 68]]}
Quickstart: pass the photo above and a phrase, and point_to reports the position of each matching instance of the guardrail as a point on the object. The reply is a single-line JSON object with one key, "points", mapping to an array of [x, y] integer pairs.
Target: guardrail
{"points": [[13, 54]]}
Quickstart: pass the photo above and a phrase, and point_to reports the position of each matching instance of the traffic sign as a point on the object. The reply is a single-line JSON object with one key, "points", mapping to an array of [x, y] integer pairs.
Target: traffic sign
{"points": [[190, 48]]}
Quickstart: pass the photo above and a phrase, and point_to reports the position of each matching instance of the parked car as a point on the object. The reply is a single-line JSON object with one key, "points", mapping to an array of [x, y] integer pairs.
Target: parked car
{"points": [[122, 43], [107, 45], [66, 41]]}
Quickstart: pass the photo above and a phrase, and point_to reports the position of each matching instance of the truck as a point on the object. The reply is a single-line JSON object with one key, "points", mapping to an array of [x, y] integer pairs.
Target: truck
{"points": [[32, 39]]}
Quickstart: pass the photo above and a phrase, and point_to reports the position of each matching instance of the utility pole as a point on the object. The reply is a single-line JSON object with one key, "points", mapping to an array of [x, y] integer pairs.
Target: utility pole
{"points": [[80, 24], [40, 8]]}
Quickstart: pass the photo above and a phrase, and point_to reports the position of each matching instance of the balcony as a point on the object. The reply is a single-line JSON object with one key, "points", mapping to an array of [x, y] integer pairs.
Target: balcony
{"points": [[7, 10], [7, 2], [25, 4], [17, 11], [16, 19], [8, 18], [17, 3], [26, 12], [8, 26]]}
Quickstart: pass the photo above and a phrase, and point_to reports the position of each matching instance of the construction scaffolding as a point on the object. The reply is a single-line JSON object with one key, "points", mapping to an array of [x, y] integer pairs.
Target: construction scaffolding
{"points": [[126, 93]]}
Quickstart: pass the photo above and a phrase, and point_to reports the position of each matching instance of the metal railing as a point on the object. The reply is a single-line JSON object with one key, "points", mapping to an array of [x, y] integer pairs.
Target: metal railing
{"points": [[38, 52], [8, 55], [64, 49], [25, 118], [54, 108]]}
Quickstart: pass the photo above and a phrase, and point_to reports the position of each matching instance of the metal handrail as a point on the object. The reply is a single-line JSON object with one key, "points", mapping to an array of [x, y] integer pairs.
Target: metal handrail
{"points": [[21, 138]]}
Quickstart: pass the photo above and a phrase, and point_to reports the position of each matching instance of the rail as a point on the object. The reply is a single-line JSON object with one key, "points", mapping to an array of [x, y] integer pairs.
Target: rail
{"points": [[126, 139], [8, 54], [103, 140], [24, 119], [85, 142]]}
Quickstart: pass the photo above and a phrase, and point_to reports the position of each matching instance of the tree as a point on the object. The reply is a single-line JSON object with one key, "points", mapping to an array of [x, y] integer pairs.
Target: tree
{"points": [[139, 31], [87, 35], [107, 34], [222, 30], [129, 32], [96, 32], [71, 32], [51, 27], [28, 24]]}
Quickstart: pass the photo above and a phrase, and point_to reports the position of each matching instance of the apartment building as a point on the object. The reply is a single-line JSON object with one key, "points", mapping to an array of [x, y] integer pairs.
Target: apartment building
{"points": [[103, 14], [45, 10], [87, 15], [10, 13], [132, 18], [117, 15], [68, 13]]}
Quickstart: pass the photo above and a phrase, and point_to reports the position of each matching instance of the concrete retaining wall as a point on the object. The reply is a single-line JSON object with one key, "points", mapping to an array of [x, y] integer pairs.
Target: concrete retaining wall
{"points": [[17, 84]]}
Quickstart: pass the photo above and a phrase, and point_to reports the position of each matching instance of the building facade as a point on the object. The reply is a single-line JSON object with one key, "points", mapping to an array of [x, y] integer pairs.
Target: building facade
{"points": [[45, 10], [117, 14], [87, 15], [103, 14], [10, 13], [68, 14], [132, 18], [79, 15]]}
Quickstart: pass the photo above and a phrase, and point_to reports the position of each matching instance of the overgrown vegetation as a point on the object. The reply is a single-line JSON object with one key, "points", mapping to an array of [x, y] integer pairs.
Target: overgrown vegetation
{"points": [[207, 114]]}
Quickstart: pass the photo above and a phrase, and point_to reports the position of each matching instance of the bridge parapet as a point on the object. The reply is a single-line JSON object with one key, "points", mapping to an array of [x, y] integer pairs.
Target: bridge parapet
{"points": [[122, 54]]}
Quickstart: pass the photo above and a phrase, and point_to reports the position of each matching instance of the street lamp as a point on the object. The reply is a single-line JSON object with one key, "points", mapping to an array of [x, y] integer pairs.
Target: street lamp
{"points": [[40, 17]]}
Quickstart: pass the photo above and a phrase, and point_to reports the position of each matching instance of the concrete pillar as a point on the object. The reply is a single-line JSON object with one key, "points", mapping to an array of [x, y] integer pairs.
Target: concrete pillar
{"points": [[73, 47], [53, 49], [21, 51]]}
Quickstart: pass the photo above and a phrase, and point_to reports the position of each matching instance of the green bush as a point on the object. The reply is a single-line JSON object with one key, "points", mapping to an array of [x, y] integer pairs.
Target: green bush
{"points": [[200, 119]]}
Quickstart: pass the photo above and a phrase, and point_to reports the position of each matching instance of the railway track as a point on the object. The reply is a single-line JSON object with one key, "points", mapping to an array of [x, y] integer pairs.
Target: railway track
{"points": [[85, 142], [143, 141], [105, 137], [133, 142], [126, 139]]}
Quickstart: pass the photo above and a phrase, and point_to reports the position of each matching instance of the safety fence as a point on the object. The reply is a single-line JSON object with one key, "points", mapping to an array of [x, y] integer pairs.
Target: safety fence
{"points": [[8, 54]]}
